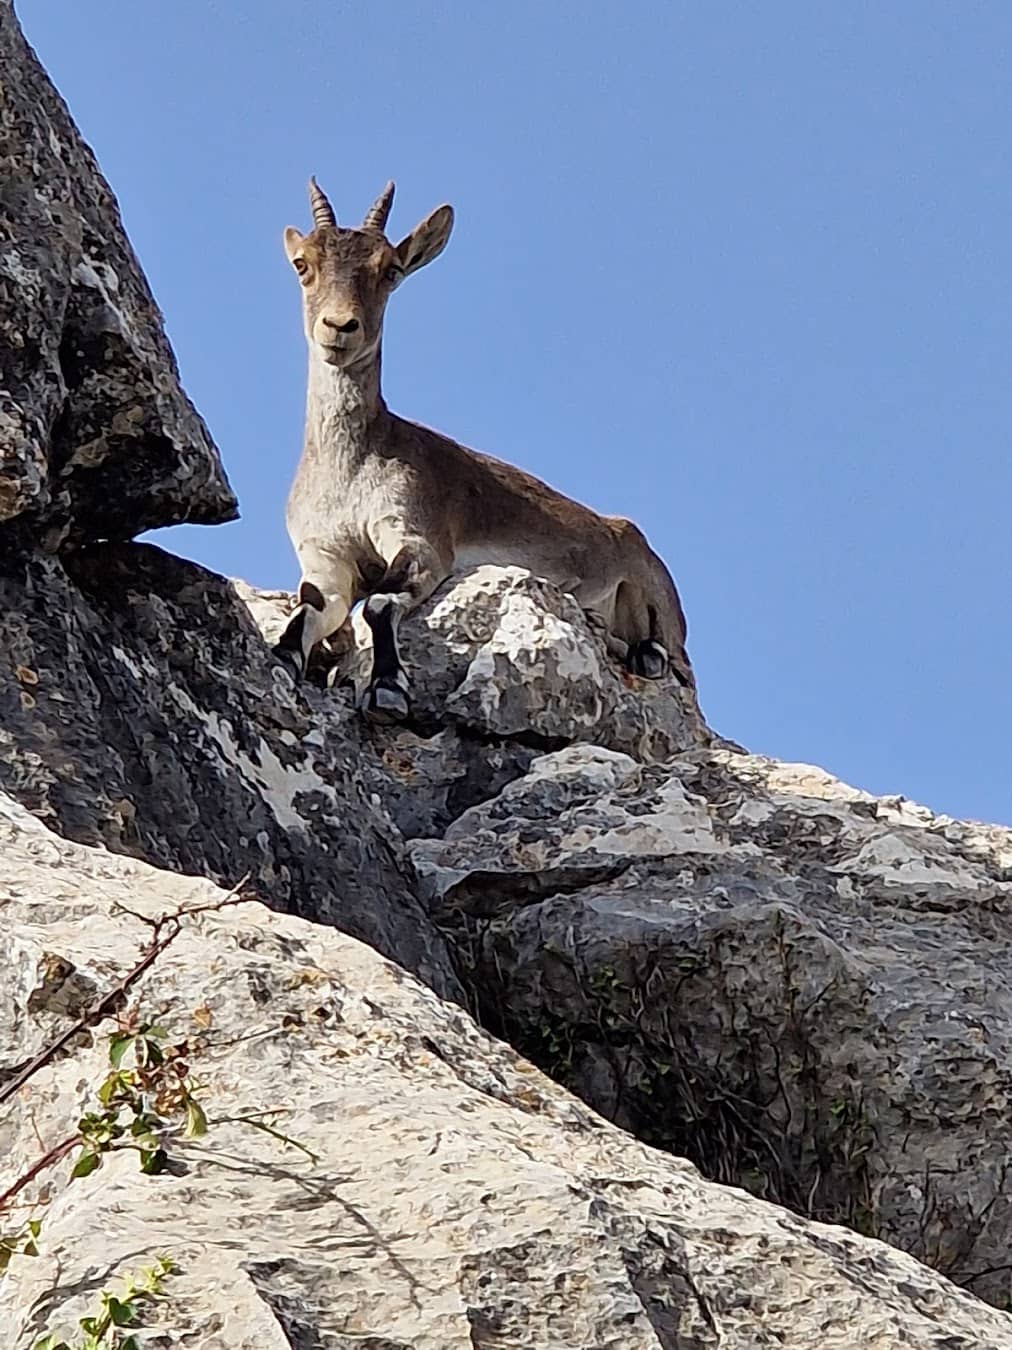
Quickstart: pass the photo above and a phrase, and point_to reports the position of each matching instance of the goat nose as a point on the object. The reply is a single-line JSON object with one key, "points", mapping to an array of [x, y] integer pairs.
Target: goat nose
{"points": [[350, 326]]}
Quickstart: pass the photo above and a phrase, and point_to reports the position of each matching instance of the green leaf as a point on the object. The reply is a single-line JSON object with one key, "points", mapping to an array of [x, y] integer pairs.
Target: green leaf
{"points": [[196, 1120], [130, 1343], [144, 1125], [107, 1091], [121, 1314], [86, 1164], [154, 1161], [34, 1227], [153, 1055], [118, 1046], [148, 1052]]}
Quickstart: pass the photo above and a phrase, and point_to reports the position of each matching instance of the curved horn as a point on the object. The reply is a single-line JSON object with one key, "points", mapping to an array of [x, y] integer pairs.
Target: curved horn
{"points": [[376, 217], [323, 212]]}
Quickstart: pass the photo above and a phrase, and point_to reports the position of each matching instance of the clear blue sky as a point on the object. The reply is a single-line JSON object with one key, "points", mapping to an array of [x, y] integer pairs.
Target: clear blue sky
{"points": [[740, 271]]}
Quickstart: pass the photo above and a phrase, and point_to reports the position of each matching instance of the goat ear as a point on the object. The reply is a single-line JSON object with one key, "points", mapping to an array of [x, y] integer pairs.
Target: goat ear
{"points": [[426, 241], [292, 241]]}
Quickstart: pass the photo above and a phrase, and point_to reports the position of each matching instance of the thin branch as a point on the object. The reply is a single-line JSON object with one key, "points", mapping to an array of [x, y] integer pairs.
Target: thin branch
{"points": [[252, 1121], [99, 1009], [54, 1155], [964, 1280], [164, 930], [106, 1002], [233, 896]]}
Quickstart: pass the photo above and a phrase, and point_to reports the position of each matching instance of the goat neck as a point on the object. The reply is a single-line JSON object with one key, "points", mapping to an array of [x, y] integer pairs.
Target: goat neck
{"points": [[342, 404]]}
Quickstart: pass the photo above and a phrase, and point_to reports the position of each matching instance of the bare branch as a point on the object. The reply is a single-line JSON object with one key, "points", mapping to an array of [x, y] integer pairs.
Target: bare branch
{"points": [[107, 1002], [54, 1155]]}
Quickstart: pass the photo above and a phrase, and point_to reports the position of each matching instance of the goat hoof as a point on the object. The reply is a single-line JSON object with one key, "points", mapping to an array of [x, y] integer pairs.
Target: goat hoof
{"points": [[386, 702], [291, 661], [647, 659]]}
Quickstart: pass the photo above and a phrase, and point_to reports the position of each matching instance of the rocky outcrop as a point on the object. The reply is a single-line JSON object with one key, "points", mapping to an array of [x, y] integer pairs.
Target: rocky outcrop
{"points": [[793, 983], [423, 1187], [96, 438], [140, 710], [503, 666], [796, 985], [138, 707]]}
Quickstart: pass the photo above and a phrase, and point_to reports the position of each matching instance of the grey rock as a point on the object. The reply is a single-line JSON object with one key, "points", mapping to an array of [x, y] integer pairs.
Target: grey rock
{"points": [[797, 985], [499, 653], [567, 822], [97, 440], [423, 777], [140, 710], [455, 1197]]}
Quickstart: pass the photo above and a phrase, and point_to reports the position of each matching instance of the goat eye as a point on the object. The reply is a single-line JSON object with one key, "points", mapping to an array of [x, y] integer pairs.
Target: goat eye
{"points": [[301, 266], [392, 275]]}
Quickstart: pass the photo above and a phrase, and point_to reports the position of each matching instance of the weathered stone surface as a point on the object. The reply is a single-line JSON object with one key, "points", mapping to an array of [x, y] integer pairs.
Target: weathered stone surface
{"points": [[801, 987], [423, 776], [140, 710], [97, 440], [790, 981], [567, 822], [457, 1198], [499, 653]]}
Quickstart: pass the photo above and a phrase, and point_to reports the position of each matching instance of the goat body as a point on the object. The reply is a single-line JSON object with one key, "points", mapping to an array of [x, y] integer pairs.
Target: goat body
{"points": [[384, 510]]}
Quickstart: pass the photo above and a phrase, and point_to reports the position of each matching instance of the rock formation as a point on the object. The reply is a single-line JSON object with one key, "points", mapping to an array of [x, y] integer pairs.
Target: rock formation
{"points": [[794, 985], [455, 1197], [99, 441]]}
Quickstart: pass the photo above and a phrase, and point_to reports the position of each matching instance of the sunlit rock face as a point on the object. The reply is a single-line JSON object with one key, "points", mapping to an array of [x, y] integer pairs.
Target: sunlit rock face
{"points": [[97, 440], [723, 962], [792, 982], [424, 1186]]}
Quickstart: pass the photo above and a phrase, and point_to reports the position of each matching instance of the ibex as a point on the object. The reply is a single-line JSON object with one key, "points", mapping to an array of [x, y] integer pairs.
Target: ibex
{"points": [[384, 510]]}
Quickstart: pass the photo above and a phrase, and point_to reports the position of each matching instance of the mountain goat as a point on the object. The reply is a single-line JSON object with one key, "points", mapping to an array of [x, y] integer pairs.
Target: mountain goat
{"points": [[384, 510]]}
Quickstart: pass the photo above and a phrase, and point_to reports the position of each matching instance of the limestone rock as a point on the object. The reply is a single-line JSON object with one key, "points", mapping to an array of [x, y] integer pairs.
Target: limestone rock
{"points": [[97, 440], [499, 653], [140, 710], [454, 1197], [799, 986]]}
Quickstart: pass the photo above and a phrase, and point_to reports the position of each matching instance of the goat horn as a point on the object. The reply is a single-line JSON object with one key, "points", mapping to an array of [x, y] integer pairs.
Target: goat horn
{"points": [[323, 212], [376, 217]]}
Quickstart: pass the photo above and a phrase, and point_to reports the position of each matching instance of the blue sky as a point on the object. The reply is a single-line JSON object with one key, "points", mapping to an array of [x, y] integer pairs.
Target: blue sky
{"points": [[739, 271]]}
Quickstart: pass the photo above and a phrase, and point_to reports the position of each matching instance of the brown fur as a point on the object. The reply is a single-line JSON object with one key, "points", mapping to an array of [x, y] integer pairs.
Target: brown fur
{"points": [[385, 508]]}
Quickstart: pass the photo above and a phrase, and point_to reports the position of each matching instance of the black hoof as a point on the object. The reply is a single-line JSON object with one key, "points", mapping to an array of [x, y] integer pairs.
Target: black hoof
{"points": [[386, 702], [647, 659], [291, 660]]}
